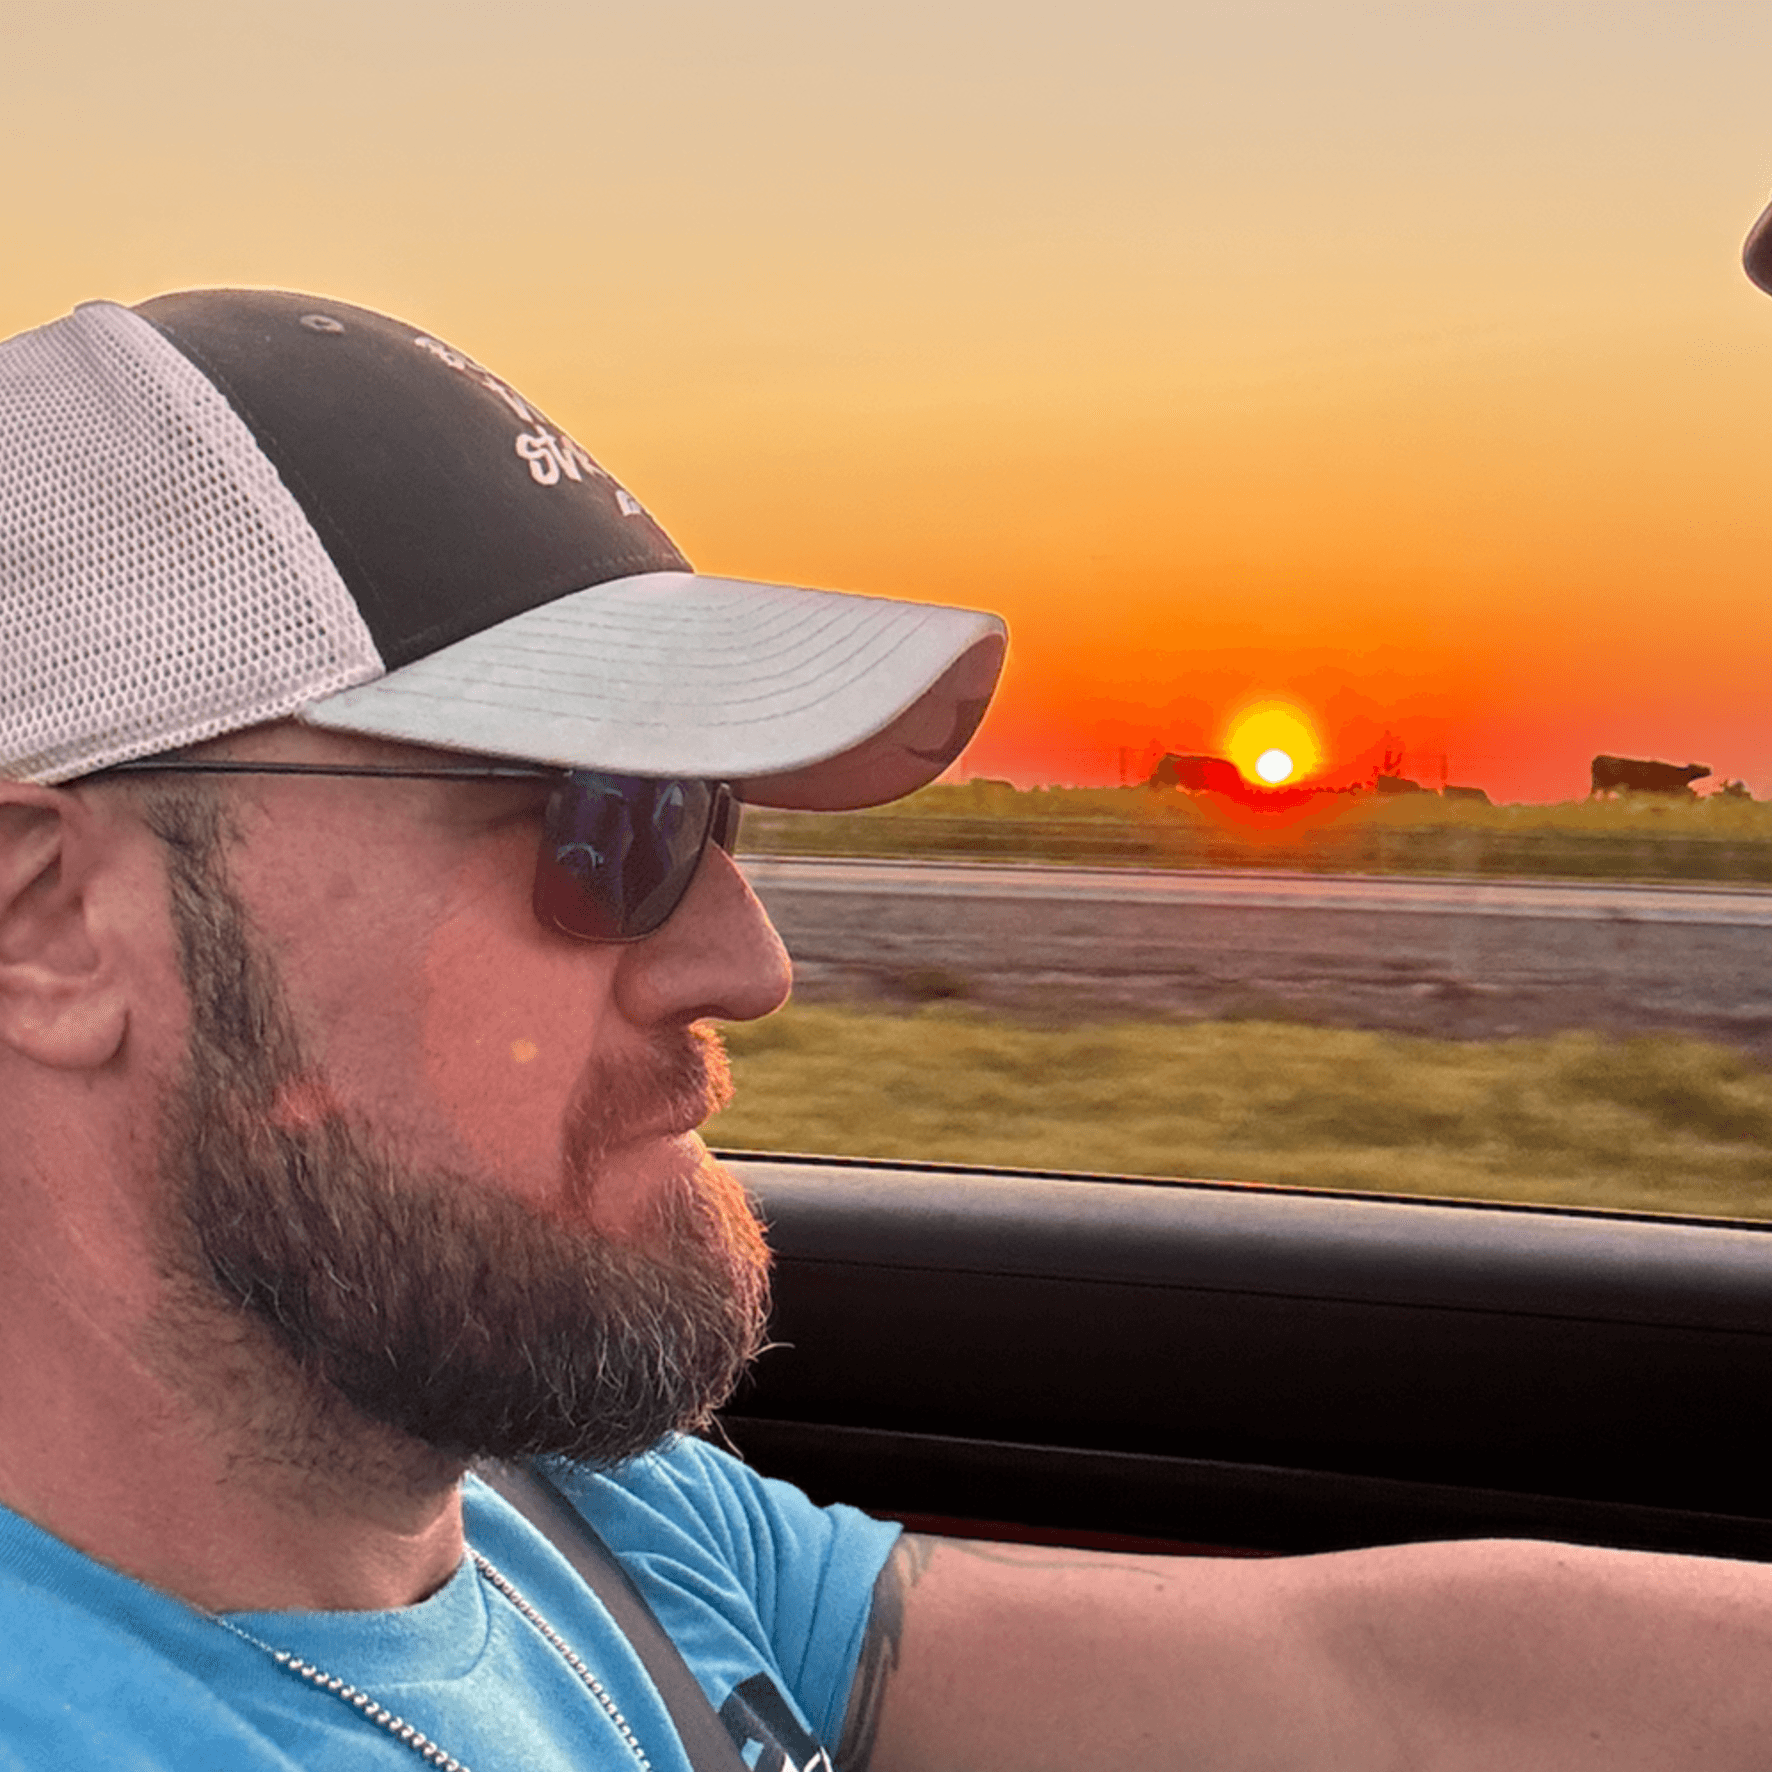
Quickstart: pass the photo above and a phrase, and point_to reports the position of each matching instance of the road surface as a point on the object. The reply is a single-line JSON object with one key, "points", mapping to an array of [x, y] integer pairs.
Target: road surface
{"points": [[1466, 959]]}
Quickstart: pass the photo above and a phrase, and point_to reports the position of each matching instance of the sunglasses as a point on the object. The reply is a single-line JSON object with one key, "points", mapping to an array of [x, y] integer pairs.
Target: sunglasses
{"points": [[617, 851]]}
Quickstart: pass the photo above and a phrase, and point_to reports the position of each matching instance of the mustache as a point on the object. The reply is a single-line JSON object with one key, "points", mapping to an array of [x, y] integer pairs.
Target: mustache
{"points": [[682, 1078]]}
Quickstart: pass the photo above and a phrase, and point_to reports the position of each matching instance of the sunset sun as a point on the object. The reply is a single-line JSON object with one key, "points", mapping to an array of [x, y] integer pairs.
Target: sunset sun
{"points": [[1272, 742]]}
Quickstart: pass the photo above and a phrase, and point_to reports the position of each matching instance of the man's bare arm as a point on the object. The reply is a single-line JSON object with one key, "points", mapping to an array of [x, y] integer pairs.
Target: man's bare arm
{"points": [[1511, 1657], [880, 1649]]}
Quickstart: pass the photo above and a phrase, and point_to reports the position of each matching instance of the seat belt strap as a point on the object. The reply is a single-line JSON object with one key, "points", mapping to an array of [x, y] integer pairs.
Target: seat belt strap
{"points": [[539, 1501]]}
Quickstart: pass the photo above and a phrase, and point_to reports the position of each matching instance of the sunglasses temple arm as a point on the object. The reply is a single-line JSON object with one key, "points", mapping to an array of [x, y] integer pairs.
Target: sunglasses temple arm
{"points": [[728, 810]]}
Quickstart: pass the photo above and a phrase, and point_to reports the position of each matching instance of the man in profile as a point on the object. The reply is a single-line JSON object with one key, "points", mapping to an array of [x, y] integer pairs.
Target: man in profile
{"points": [[368, 759]]}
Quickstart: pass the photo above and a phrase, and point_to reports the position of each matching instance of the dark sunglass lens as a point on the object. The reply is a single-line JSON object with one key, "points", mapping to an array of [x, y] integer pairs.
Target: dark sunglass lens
{"points": [[619, 851]]}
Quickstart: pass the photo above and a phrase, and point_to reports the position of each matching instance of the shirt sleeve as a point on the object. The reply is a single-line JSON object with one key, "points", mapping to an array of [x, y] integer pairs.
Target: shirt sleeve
{"points": [[730, 1558]]}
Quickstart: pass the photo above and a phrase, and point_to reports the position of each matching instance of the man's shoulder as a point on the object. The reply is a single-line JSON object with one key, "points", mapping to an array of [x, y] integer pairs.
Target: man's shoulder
{"points": [[684, 1508], [689, 1498], [99, 1670], [744, 1571]]}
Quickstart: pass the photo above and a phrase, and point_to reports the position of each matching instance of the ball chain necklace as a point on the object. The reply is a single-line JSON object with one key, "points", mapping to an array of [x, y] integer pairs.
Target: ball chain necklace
{"points": [[403, 1731]]}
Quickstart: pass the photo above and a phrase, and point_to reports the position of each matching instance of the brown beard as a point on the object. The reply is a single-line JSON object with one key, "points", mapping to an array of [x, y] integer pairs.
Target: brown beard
{"points": [[433, 1302]]}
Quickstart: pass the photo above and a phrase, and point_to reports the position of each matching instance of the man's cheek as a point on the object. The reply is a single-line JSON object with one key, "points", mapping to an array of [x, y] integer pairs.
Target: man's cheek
{"points": [[503, 1038]]}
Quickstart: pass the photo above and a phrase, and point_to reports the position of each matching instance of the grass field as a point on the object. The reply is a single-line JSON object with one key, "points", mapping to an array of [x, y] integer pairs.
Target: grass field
{"points": [[1646, 837], [1661, 1124]]}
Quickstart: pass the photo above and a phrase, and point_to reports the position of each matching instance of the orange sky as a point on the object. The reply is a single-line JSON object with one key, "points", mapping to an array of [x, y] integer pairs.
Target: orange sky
{"points": [[1392, 356]]}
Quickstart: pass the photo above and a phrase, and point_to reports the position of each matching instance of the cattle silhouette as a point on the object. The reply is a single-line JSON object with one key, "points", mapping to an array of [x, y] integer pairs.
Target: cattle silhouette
{"points": [[1634, 775], [1197, 775]]}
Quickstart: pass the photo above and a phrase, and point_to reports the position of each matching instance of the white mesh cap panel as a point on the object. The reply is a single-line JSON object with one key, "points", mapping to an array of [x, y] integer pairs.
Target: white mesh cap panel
{"points": [[158, 583]]}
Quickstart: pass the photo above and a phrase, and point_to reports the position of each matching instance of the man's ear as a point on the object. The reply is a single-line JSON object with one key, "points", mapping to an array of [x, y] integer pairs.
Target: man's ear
{"points": [[62, 1002]]}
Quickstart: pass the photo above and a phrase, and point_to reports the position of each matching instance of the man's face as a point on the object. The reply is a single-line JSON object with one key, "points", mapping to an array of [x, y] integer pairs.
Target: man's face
{"points": [[434, 1005], [444, 1155]]}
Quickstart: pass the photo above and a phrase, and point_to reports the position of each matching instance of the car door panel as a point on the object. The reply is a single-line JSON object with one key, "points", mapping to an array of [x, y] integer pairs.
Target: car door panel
{"points": [[1257, 1368]]}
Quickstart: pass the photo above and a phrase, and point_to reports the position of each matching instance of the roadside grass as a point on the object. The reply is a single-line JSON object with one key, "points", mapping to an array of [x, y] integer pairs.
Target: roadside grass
{"points": [[1658, 1123], [1632, 837]]}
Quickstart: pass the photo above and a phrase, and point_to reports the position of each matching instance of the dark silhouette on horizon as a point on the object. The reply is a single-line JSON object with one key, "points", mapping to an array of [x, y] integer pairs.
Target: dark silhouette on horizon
{"points": [[1635, 775], [1196, 774]]}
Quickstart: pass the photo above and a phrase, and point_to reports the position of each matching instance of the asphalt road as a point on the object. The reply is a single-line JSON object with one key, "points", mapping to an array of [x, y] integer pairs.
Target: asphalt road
{"points": [[1467, 959]]}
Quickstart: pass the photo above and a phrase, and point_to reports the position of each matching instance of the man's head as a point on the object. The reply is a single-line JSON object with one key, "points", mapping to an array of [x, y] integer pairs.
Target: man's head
{"points": [[354, 973]]}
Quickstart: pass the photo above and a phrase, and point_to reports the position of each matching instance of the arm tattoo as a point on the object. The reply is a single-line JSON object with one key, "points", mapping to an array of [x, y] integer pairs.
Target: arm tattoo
{"points": [[879, 1649]]}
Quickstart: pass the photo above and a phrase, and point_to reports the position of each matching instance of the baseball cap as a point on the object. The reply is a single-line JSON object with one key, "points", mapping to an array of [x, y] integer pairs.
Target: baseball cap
{"points": [[1756, 252], [223, 507]]}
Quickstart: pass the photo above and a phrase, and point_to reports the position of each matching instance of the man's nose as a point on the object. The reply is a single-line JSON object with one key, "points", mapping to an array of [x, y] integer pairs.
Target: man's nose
{"points": [[717, 956]]}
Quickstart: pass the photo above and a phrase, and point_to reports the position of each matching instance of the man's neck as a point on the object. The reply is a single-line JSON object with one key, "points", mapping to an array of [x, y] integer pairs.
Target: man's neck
{"points": [[229, 1480]]}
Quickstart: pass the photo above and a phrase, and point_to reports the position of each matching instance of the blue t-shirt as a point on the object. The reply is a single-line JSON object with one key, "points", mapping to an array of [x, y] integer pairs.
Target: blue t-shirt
{"points": [[766, 1595]]}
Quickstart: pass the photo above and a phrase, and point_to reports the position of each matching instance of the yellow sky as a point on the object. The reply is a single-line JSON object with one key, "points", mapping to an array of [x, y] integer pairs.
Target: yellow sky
{"points": [[1390, 354]]}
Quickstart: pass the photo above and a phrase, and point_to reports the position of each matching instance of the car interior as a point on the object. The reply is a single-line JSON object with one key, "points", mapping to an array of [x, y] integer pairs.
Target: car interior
{"points": [[1118, 1362]]}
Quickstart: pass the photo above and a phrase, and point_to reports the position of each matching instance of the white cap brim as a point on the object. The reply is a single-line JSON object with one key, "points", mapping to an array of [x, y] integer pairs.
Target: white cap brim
{"points": [[801, 698]]}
